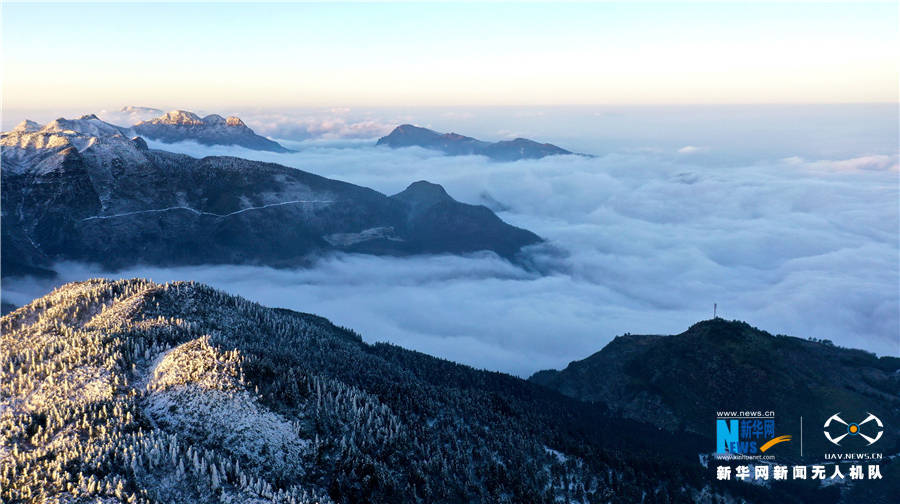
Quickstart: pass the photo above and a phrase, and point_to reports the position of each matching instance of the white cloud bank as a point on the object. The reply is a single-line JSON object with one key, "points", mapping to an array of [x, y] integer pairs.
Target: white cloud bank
{"points": [[130, 115], [640, 243]]}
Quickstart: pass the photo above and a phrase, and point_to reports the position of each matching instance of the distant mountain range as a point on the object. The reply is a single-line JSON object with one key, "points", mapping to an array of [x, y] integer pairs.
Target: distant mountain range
{"points": [[407, 135], [81, 190], [180, 125], [170, 127]]}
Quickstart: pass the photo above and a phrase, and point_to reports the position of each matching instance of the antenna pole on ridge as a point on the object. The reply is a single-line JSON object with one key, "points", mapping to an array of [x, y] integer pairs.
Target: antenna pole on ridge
{"points": [[715, 308]]}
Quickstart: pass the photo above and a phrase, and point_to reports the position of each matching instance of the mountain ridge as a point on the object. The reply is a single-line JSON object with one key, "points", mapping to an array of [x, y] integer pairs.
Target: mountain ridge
{"points": [[180, 125], [454, 144], [113, 201], [680, 381], [169, 127]]}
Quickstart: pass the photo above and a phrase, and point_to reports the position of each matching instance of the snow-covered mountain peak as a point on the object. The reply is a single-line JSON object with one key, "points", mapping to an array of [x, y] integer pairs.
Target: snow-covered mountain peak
{"points": [[33, 140], [180, 117], [89, 125], [213, 129], [27, 126], [217, 120], [34, 151], [234, 121], [43, 150]]}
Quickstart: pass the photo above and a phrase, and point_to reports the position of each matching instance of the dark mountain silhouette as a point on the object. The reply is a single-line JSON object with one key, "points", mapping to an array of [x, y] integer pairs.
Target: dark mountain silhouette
{"points": [[679, 382], [407, 135]]}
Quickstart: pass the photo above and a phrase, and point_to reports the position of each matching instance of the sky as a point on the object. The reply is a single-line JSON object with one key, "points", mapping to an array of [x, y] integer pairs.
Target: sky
{"points": [[56, 56]]}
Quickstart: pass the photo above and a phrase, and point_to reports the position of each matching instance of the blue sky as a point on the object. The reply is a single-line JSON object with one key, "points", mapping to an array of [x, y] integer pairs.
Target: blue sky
{"points": [[271, 55]]}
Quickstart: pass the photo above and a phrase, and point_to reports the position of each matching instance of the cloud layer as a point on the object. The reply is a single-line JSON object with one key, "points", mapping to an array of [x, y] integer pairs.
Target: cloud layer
{"points": [[640, 241]]}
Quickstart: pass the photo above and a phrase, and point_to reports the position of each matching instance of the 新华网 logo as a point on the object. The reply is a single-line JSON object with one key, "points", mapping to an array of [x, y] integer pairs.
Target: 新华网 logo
{"points": [[746, 435], [836, 429]]}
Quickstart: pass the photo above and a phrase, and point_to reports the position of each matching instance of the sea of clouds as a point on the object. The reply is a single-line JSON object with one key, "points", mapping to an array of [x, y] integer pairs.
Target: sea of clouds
{"points": [[643, 238]]}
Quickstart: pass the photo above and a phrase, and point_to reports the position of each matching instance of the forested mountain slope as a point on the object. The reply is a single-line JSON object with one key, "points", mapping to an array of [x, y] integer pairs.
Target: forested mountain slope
{"points": [[135, 391]]}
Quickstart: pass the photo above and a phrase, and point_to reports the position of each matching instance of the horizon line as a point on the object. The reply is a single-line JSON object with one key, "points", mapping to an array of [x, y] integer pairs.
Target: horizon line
{"points": [[471, 105]]}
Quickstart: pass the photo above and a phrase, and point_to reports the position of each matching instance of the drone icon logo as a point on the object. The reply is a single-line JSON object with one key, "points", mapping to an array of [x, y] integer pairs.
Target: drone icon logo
{"points": [[853, 429]]}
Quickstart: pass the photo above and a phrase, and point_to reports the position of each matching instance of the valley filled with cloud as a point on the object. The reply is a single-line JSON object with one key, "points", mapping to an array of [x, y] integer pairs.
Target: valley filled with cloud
{"points": [[640, 239]]}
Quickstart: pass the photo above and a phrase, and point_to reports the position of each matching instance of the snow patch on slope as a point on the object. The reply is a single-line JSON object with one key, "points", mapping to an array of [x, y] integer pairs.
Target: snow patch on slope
{"points": [[198, 390]]}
